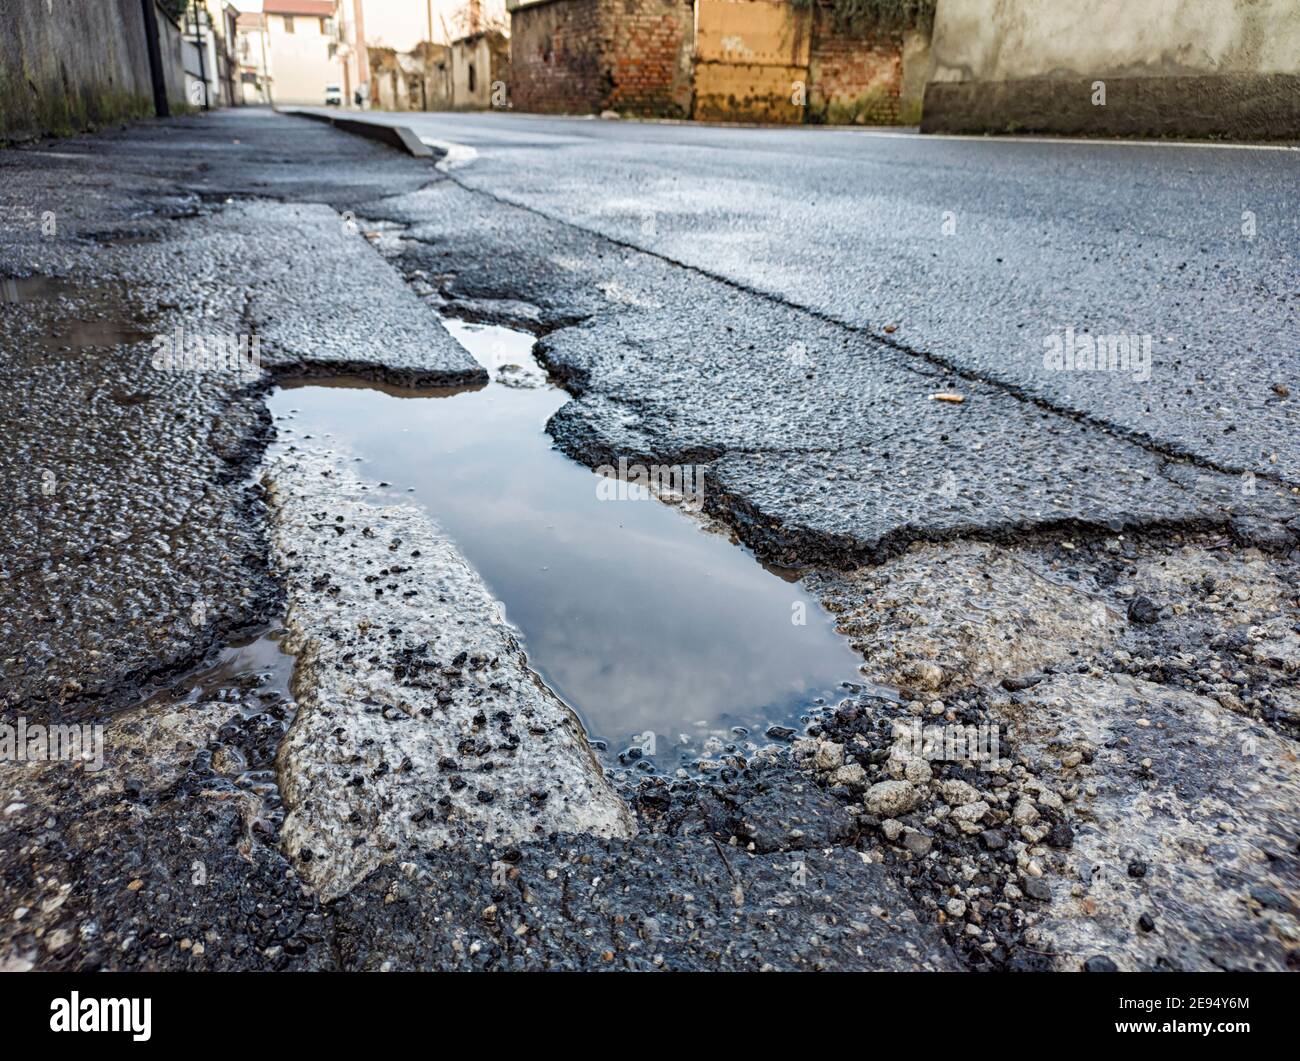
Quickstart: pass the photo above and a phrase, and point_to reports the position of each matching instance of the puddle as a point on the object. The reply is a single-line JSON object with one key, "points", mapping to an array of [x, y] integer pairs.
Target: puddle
{"points": [[80, 335], [642, 620], [33, 288], [91, 317], [254, 672], [258, 657]]}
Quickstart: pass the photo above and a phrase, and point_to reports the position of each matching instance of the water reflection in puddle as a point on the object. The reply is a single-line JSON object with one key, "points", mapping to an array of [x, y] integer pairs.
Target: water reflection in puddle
{"points": [[254, 673], [631, 611], [32, 288]]}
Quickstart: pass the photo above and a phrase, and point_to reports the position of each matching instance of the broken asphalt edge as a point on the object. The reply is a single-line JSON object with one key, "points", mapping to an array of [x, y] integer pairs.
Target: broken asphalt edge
{"points": [[396, 136]]}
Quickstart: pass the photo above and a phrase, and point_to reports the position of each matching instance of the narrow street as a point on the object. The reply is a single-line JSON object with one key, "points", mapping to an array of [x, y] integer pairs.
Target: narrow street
{"points": [[970, 439]]}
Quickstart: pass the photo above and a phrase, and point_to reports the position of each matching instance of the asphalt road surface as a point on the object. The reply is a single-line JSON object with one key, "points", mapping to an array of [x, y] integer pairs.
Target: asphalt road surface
{"points": [[972, 251], [867, 341]]}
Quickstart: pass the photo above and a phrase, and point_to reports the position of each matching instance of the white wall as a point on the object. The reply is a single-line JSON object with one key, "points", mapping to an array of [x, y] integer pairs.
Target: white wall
{"points": [[402, 24], [1006, 40], [300, 64]]}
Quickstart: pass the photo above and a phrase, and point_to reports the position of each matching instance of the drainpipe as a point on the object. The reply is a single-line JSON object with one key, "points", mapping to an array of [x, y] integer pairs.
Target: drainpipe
{"points": [[160, 105], [266, 65]]}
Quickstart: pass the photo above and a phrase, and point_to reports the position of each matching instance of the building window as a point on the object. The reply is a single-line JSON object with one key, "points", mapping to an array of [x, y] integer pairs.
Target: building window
{"points": [[471, 77], [324, 27], [288, 23]]}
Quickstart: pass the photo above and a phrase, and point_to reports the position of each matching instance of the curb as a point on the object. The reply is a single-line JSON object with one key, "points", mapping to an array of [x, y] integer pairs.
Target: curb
{"points": [[396, 136]]}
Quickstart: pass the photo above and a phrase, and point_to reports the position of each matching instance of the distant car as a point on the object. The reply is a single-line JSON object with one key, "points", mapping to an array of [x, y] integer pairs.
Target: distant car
{"points": [[333, 96]]}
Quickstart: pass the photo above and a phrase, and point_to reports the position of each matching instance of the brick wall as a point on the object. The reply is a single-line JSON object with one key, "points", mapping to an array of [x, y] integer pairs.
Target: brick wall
{"points": [[853, 77], [651, 46], [556, 57], [637, 57], [585, 56]]}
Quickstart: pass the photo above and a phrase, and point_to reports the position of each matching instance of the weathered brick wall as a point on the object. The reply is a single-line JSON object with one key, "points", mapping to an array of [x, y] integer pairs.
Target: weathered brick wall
{"points": [[637, 57], [651, 46], [854, 77], [557, 57], [585, 56]]}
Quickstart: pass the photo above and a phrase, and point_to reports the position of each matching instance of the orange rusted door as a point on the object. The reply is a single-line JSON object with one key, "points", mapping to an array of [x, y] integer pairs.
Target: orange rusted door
{"points": [[751, 60]]}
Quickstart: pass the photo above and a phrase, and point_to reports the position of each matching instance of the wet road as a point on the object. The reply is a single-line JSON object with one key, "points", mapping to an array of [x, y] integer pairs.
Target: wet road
{"points": [[977, 254], [1002, 562]]}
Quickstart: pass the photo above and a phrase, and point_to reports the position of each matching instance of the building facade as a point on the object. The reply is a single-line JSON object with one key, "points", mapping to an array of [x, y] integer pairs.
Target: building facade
{"points": [[314, 49], [723, 60]]}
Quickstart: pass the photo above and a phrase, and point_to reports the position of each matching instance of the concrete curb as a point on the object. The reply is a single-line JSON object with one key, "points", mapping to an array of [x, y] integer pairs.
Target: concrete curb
{"points": [[398, 136]]}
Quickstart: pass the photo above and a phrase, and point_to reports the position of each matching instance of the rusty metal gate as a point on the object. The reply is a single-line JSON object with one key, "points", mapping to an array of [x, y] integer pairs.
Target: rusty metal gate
{"points": [[751, 60]]}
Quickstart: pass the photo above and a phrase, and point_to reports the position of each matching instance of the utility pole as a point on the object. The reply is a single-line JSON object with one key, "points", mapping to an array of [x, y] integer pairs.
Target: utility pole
{"points": [[160, 104], [428, 56]]}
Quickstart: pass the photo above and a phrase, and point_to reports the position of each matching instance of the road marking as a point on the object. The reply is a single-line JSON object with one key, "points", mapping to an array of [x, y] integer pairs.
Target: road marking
{"points": [[975, 139]]}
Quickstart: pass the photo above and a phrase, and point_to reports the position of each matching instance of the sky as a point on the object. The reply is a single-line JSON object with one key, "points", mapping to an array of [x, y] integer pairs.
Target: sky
{"points": [[401, 24]]}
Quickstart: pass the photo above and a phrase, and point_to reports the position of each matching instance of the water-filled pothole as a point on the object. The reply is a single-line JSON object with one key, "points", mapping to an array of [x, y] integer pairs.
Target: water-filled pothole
{"points": [[638, 616], [15, 289], [253, 674]]}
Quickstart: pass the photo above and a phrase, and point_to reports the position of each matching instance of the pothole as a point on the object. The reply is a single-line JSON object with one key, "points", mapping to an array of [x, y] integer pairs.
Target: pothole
{"points": [[670, 642], [33, 288], [253, 673]]}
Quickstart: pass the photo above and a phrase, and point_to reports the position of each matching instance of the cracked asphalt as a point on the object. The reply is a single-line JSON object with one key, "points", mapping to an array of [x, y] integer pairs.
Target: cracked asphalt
{"points": [[1101, 569]]}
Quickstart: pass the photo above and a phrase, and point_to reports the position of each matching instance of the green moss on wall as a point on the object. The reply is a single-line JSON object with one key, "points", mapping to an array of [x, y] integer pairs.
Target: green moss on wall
{"points": [[876, 107]]}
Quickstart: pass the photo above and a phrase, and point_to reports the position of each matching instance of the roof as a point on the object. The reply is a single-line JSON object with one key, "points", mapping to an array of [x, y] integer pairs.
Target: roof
{"points": [[250, 20], [322, 8]]}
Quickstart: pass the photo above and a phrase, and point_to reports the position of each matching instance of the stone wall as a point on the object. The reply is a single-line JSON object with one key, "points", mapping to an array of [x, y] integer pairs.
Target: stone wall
{"points": [[1169, 67], [67, 65]]}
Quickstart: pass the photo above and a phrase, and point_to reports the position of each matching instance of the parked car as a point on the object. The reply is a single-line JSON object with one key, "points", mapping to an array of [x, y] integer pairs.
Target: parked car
{"points": [[333, 96]]}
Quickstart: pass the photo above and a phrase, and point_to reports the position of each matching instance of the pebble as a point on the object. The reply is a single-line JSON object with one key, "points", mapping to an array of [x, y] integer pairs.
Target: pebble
{"points": [[958, 793], [1037, 888], [969, 816], [891, 798], [917, 771], [917, 842], [924, 675], [829, 755], [1143, 610]]}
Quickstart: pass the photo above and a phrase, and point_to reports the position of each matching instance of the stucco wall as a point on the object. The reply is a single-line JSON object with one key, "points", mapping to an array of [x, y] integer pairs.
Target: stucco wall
{"points": [[300, 63], [71, 64], [489, 55], [1198, 67]]}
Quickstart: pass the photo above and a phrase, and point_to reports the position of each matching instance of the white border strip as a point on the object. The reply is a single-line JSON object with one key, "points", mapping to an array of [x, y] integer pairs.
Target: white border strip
{"points": [[1089, 141]]}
